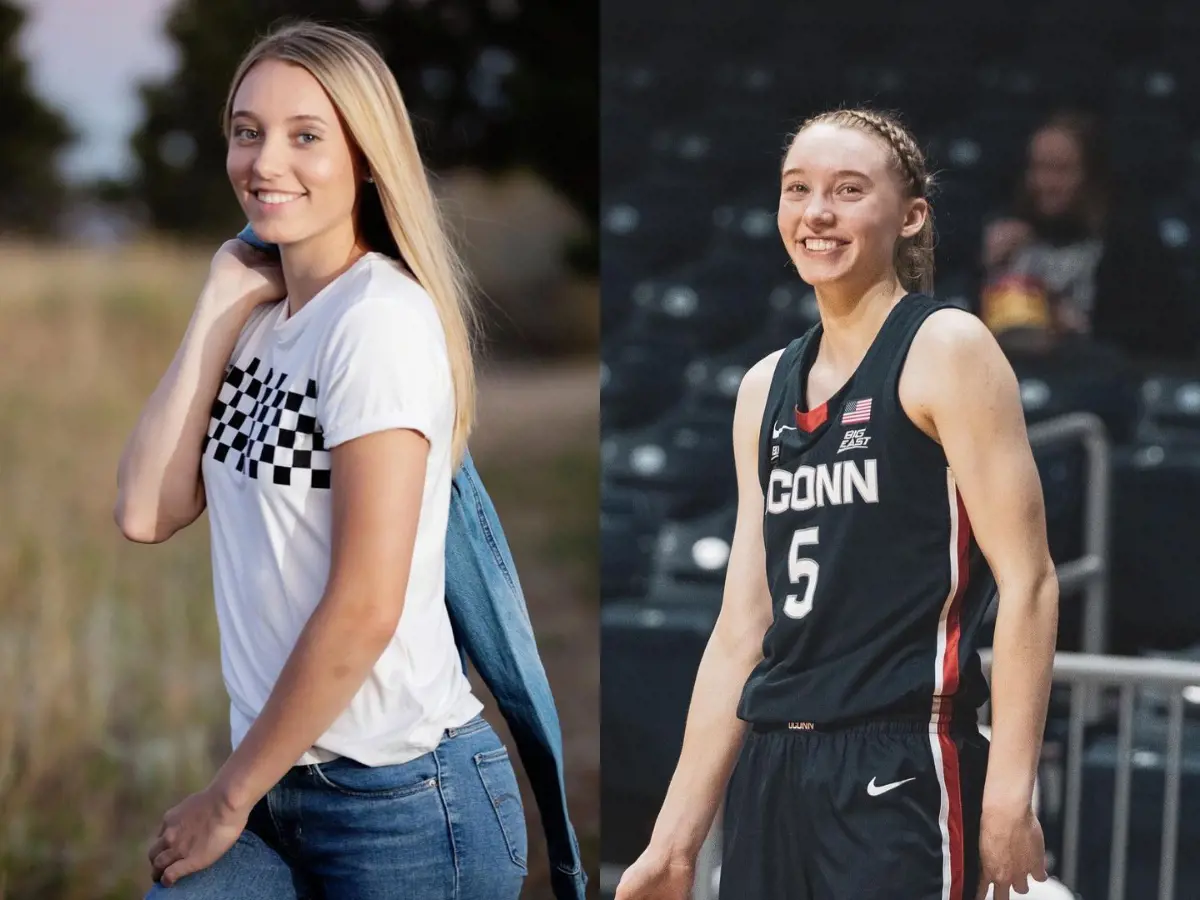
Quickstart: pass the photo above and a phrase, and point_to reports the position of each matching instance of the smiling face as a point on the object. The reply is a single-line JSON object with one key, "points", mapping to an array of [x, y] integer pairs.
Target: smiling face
{"points": [[841, 206], [289, 160]]}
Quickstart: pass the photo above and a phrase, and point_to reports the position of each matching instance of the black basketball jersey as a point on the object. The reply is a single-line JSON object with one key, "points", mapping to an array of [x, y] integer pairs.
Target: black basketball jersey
{"points": [[878, 586]]}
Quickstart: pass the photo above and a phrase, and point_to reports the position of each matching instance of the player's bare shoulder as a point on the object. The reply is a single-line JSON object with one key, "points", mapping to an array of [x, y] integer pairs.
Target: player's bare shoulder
{"points": [[951, 331], [953, 353]]}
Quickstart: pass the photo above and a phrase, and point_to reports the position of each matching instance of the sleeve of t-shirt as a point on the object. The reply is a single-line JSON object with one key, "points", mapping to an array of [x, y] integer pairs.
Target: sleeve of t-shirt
{"points": [[384, 366]]}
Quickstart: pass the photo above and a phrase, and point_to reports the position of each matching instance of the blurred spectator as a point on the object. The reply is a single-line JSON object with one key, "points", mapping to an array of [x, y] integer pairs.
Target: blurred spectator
{"points": [[1073, 258]]}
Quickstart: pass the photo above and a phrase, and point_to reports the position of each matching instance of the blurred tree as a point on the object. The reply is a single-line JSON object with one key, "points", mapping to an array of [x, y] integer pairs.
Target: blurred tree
{"points": [[502, 83], [489, 83], [31, 192]]}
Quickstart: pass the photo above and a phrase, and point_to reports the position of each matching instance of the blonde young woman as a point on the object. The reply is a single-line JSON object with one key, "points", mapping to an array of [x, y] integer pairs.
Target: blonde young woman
{"points": [[322, 430], [886, 487]]}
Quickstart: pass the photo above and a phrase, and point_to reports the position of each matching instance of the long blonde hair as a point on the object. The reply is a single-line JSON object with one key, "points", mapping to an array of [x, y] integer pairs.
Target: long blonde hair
{"points": [[404, 219]]}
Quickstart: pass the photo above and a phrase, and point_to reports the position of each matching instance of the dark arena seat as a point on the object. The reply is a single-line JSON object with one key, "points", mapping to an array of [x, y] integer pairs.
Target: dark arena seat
{"points": [[956, 217], [1080, 377], [646, 228], [1171, 408], [690, 559], [684, 461], [713, 381], [748, 230], [793, 310], [1156, 492], [648, 661], [641, 377], [629, 523], [712, 304]]}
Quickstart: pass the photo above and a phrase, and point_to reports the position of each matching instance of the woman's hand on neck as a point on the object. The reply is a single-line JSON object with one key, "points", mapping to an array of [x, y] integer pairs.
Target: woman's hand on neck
{"points": [[310, 265]]}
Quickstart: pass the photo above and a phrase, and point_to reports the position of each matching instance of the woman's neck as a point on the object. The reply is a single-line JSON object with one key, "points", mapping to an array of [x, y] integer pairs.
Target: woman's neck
{"points": [[850, 319], [310, 265]]}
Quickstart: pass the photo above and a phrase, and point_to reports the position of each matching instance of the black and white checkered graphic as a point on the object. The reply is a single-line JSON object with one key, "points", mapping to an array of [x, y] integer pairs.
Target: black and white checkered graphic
{"points": [[266, 431]]}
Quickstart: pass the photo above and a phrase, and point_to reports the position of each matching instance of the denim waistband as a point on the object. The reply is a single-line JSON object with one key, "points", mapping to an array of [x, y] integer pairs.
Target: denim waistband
{"points": [[478, 723], [471, 726]]}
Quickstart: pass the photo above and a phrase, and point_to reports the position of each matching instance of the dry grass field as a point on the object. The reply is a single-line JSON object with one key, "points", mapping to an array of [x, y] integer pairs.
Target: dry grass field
{"points": [[114, 708]]}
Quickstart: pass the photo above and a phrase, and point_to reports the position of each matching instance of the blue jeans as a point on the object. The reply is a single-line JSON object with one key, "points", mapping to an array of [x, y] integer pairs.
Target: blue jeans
{"points": [[449, 825]]}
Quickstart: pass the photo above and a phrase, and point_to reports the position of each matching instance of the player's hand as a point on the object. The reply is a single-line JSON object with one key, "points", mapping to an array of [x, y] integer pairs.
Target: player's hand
{"points": [[242, 277], [1011, 851], [657, 876]]}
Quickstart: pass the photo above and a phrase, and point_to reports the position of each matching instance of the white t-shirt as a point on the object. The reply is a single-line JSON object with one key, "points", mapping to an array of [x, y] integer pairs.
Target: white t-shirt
{"points": [[366, 354]]}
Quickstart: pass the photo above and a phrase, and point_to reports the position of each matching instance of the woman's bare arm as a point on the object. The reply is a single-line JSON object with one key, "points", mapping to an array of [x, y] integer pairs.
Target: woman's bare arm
{"points": [[969, 392], [714, 734], [159, 488], [964, 389], [378, 480]]}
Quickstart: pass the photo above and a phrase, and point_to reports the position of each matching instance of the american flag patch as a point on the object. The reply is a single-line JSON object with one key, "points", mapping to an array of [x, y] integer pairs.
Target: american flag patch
{"points": [[857, 411]]}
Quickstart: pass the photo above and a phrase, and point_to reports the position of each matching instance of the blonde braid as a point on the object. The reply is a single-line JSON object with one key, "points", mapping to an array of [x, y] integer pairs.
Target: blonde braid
{"points": [[914, 256]]}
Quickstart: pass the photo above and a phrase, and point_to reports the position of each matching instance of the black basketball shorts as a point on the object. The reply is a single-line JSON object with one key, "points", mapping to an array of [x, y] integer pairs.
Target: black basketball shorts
{"points": [[882, 810]]}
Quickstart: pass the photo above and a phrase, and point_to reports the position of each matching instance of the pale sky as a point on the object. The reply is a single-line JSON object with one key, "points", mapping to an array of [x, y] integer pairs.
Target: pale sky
{"points": [[86, 57]]}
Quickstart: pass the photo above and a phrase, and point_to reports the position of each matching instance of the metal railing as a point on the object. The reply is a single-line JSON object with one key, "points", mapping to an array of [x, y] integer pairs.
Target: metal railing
{"points": [[1129, 674], [1089, 573]]}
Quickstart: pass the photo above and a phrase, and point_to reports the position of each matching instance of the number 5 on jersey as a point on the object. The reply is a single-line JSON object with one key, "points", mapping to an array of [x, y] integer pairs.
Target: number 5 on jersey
{"points": [[802, 567]]}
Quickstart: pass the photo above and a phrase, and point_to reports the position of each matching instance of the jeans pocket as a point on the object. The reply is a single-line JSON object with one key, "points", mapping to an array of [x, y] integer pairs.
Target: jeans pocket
{"points": [[500, 783], [356, 780]]}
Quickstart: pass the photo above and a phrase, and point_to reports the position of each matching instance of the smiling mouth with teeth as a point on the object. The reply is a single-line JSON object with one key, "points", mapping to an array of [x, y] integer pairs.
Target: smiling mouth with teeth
{"points": [[819, 245], [274, 198]]}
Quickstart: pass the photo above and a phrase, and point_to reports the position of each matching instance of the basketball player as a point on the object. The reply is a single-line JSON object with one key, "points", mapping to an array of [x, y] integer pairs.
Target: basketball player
{"points": [[884, 478]]}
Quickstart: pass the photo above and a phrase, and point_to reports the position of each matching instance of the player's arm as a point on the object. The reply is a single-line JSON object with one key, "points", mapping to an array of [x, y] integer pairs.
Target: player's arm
{"points": [[963, 391], [713, 735]]}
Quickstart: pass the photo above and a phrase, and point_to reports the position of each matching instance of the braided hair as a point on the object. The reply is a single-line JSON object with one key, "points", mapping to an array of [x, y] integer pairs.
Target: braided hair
{"points": [[914, 255]]}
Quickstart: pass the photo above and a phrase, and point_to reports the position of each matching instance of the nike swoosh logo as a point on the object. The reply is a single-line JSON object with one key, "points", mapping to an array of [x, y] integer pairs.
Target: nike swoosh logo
{"points": [[780, 429], [876, 789]]}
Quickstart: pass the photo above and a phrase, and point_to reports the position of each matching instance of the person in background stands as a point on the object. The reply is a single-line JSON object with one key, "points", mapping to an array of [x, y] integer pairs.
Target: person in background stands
{"points": [[1075, 258]]}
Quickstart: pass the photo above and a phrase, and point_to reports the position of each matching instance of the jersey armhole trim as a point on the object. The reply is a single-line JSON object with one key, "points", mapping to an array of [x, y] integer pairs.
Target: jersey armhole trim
{"points": [[775, 392], [894, 382]]}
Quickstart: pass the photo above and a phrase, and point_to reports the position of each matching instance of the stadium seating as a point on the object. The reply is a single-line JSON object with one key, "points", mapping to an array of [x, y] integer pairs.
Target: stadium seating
{"points": [[1171, 408], [684, 462], [1156, 492], [690, 560], [629, 524], [713, 381], [641, 377], [649, 657], [709, 305], [1080, 377]]}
